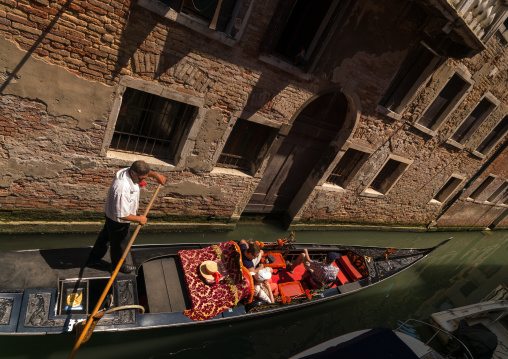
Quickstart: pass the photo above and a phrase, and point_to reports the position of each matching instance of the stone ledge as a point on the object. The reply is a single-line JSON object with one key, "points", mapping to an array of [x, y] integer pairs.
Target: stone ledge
{"points": [[95, 227], [352, 227]]}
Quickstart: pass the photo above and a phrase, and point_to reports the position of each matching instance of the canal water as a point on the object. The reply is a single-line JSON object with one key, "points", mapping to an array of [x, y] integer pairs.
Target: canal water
{"points": [[470, 268]]}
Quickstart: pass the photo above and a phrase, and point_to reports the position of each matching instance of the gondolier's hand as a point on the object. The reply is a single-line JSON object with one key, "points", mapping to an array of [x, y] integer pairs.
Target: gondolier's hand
{"points": [[133, 218], [158, 177]]}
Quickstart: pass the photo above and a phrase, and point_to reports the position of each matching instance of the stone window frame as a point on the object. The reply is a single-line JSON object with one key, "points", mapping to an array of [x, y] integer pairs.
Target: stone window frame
{"points": [[263, 155], [370, 192], [316, 48], [482, 155], [200, 26], [188, 139], [500, 193], [398, 77], [465, 75], [449, 191], [353, 146], [478, 123], [482, 187]]}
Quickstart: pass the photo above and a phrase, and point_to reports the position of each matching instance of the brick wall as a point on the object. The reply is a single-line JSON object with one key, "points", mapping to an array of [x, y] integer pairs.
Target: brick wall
{"points": [[52, 142]]}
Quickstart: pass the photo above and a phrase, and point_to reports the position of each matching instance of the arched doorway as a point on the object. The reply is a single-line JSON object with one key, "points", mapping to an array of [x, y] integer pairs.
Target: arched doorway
{"points": [[314, 128]]}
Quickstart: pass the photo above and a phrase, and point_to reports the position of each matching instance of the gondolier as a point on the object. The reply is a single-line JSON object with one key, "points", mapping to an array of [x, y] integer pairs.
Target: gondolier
{"points": [[121, 209]]}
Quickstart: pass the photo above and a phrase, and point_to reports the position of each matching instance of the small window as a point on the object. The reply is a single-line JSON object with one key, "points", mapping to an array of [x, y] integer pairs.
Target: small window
{"points": [[244, 145], [494, 137], [295, 28], [415, 69], [444, 103], [347, 167], [486, 182], [151, 125], [473, 121], [497, 192], [388, 176], [446, 191]]}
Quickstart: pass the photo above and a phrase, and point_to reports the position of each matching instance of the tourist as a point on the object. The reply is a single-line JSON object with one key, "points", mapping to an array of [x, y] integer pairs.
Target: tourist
{"points": [[321, 273], [251, 256], [262, 287]]}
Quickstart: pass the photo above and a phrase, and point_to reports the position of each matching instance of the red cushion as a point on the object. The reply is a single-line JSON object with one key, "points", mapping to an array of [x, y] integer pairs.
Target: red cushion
{"points": [[349, 268], [341, 278], [291, 289]]}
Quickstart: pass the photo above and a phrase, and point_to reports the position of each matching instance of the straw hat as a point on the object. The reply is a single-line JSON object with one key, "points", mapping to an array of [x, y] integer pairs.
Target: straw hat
{"points": [[207, 269]]}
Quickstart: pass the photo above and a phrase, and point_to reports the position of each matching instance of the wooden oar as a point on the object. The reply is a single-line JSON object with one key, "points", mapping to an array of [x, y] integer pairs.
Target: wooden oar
{"points": [[90, 318]]}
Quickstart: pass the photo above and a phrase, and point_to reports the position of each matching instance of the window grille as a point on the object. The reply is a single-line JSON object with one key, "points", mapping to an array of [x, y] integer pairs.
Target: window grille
{"points": [[347, 167], [151, 125], [243, 145], [444, 102], [493, 138]]}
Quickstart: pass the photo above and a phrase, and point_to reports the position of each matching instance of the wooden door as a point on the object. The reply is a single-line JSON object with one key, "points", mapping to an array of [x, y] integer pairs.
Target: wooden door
{"points": [[313, 130]]}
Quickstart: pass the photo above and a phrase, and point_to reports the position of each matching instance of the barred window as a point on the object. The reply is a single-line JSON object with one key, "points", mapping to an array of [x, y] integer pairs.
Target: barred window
{"points": [[501, 189], [416, 68], [482, 187], [388, 176], [473, 121], [494, 137], [151, 125], [296, 27], [347, 167], [244, 145], [444, 103], [446, 191]]}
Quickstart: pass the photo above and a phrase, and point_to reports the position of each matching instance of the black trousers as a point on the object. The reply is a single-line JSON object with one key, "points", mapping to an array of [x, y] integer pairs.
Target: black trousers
{"points": [[114, 234]]}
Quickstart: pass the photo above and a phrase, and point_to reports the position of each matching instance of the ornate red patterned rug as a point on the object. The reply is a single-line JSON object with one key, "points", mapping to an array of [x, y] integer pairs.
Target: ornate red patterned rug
{"points": [[211, 300]]}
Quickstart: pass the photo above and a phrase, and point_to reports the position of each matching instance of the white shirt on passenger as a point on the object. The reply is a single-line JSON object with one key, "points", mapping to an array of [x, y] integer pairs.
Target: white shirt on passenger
{"points": [[261, 294], [123, 197]]}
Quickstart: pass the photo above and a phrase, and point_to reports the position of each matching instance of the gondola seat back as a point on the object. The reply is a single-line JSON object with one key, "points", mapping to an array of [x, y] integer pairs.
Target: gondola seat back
{"points": [[341, 277], [345, 264]]}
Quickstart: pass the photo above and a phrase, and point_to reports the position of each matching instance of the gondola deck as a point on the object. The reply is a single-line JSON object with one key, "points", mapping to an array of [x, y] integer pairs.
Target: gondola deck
{"points": [[34, 286]]}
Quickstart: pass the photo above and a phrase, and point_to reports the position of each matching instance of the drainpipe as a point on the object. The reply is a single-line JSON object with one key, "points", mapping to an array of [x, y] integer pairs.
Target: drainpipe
{"points": [[482, 169]]}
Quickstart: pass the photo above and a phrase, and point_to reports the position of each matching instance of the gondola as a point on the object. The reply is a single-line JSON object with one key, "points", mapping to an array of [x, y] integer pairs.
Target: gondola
{"points": [[49, 291]]}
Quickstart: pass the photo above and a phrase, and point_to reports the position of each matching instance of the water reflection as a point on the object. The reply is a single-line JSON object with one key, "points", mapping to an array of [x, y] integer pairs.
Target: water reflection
{"points": [[468, 269]]}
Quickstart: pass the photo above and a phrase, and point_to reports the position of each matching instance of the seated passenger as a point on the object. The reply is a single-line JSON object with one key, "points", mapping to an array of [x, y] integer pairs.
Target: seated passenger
{"points": [[251, 256], [262, 286], [321, 273]]}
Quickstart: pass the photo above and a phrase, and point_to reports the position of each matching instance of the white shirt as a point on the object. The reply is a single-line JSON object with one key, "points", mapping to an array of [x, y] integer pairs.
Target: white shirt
{"points": [[123, 197]]}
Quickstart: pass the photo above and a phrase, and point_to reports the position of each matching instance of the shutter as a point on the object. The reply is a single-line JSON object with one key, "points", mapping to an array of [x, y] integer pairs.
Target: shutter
{"points": [[277, 24], [174, 4]]}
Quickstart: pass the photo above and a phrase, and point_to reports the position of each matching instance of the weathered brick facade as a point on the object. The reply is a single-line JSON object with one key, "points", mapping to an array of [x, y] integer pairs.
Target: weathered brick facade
{"points": [[65, 66]]}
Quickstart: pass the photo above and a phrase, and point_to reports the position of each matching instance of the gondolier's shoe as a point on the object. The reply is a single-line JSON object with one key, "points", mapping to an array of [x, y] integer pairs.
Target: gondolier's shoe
{"points": [[127, 268], [97, 263]]}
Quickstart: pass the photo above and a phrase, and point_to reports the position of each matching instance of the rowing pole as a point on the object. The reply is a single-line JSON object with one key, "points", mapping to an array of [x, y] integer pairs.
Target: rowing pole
{"points": [[89, 320]]}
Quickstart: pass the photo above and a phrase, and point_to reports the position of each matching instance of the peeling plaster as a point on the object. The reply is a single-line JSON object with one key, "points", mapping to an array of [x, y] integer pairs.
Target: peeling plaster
{"points": [[64, 93], [195, 189], [37, 170]]}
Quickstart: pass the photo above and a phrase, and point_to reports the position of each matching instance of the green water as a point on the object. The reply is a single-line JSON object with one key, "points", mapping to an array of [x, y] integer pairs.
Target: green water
{"points": [[466, 270]]}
